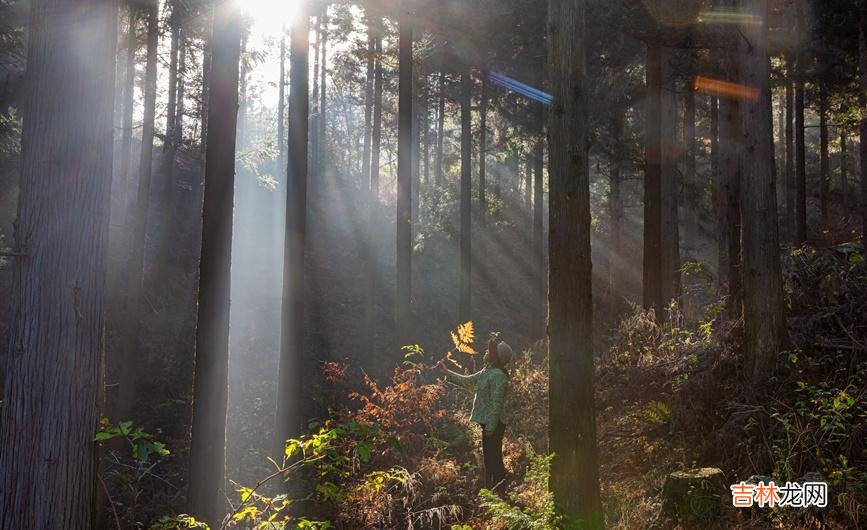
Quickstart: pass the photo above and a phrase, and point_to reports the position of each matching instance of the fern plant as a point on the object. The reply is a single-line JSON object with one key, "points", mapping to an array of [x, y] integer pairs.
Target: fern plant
{"points": [[539, 513]]}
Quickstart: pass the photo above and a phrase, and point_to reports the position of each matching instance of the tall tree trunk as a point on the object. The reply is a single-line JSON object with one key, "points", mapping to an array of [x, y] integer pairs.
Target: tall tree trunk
{"points": [[824, 163], [206, 83], [692, 192], [441, 117], [538, 226], [671, 185], [844, 166], [377, 108], [243, 100], [128, 105], [728, 206], [170, 143], [764, 318], [862, 103], [323, 71], [652, 279], [281, 111], [615, 211], [574, 479], [137, 216], [416, 148], [314, 120], [465, 308], [368, 106], [715, 164], [211, 379], [483, 148], [404, 183], [528, 185], [180, 108], [171, 107], [53, 377], [800, 152], [290, 420], [425, 125], [790, 149]]}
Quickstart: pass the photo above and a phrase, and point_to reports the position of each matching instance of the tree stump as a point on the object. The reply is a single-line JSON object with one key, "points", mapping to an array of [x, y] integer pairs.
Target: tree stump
{"points": [[694, 494]]}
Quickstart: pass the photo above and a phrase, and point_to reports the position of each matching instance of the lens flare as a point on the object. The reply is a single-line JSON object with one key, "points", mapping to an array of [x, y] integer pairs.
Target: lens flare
{"points": [[728, 16], [520, 88], [726, 88]]}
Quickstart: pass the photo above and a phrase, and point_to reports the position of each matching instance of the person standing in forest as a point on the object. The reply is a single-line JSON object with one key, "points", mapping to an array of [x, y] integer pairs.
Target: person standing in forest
{"points": [[489, 386]]}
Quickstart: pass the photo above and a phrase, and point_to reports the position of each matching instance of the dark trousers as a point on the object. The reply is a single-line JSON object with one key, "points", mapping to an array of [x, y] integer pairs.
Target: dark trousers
{"points": [[492, 452]]}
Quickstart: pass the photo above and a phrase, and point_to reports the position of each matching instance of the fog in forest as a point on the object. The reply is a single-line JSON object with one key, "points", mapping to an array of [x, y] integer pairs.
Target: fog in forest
{"points": [[507, 264]]}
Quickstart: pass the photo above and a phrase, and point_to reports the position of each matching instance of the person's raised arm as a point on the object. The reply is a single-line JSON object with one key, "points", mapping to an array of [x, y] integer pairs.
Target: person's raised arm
{"points": [[465, 381]]}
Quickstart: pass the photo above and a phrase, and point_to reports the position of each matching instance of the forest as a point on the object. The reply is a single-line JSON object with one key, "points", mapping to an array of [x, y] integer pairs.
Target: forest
{"points": [[433, 264]]}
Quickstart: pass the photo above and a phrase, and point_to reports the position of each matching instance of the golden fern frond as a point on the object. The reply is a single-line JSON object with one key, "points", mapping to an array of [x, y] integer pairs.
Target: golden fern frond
{"points": [[466, 332], [466, 348], [455, 339]]}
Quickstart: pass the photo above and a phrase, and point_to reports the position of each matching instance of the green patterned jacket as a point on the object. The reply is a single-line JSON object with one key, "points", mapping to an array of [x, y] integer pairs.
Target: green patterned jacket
{"points": [[490, 386]]}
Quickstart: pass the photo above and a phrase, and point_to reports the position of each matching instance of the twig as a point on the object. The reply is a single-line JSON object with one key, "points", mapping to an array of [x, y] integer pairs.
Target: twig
{"points": [[261, 483], [855, 341], [110, 502]]}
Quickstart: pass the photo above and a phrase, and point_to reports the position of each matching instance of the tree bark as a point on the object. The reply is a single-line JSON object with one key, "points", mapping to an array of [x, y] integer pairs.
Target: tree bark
{"points": [[425, 125], [763, 304], [171, 107], [416, 148], [862, 103], [538, 227], [790, 150], [206, 72], [728, 207], [652, 266], [137, 216], [615, 211], [671, 185], [404, 183], [824, 163], [290, 420], [323, 71], [483, 148], [528, 184], [844, 166], [800, 151], [368, 106], [715, 167], [128, 105], [180, 108], [691, 196], [281, 111], [377, 108], [441, 117], [574, 479], [211, 378], [53, 375], [314, 120], [465, 308]]}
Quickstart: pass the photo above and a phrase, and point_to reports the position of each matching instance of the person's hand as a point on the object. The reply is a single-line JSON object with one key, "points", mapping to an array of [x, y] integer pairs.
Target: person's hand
{"points": [[442, 366]]}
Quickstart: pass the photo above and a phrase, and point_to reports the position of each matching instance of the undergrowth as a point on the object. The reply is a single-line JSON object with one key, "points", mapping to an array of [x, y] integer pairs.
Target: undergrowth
{"points": [[671, 395]]}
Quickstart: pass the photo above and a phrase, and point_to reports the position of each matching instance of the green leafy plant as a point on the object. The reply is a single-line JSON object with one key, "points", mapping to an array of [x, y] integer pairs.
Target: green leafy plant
{"points": [[178, 522], [657, 412], [143, 445], [534, 510], [130, 470]]}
